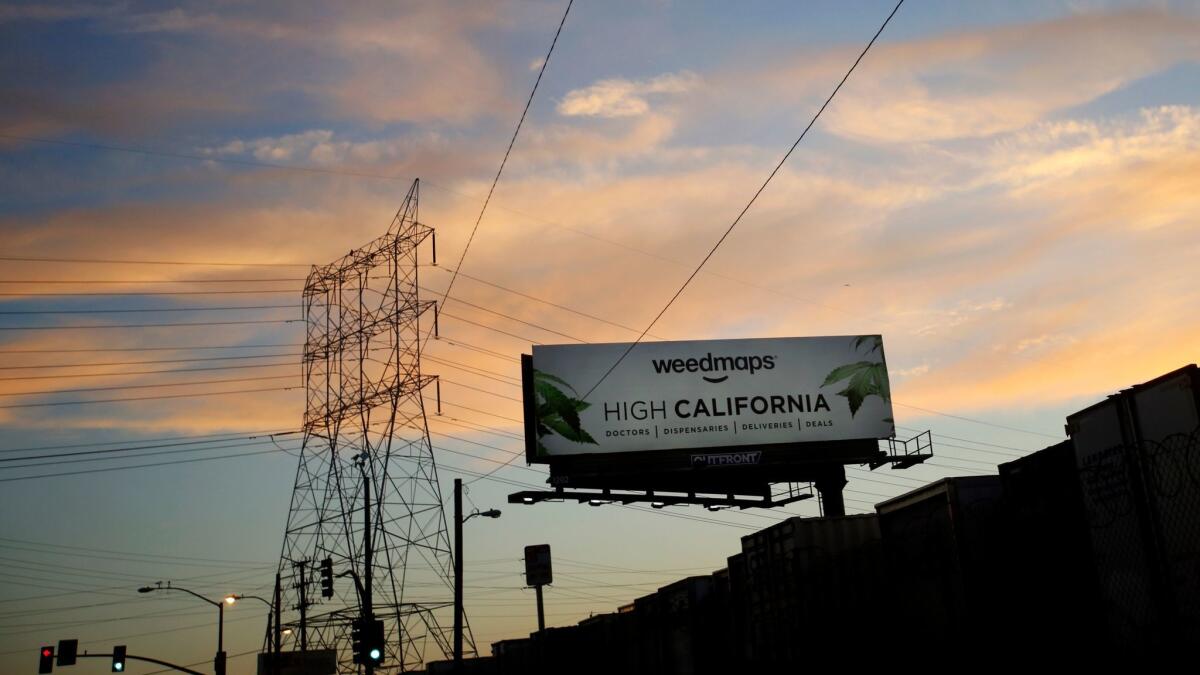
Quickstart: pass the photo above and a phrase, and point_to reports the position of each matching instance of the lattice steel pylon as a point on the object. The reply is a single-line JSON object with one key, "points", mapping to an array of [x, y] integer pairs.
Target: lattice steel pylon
{"points": [[366, 441]]}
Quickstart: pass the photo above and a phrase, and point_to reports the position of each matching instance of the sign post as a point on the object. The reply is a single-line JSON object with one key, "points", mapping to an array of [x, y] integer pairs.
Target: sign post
{"points": [[538, 573]]}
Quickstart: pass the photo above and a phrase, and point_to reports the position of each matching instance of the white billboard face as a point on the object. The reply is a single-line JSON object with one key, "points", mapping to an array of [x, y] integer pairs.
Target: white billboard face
{"points": [[712, 393]]}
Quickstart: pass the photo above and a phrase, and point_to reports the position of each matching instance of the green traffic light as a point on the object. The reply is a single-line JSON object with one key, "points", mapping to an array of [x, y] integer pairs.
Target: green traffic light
{"points": [[375, 654]]}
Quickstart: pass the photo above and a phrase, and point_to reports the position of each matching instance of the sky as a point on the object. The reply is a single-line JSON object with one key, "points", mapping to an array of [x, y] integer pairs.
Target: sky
{"points": [[1007, 192]]}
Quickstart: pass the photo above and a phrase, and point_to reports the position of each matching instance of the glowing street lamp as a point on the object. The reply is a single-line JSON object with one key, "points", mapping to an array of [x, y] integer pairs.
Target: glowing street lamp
{"points": [[219, 661]]}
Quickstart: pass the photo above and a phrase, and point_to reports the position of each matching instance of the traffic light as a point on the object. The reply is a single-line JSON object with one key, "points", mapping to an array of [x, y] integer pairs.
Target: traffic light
{"points": [[46, 660], [356, 641], [327, 578], [67, 649], [374, 642], [118, 664]]}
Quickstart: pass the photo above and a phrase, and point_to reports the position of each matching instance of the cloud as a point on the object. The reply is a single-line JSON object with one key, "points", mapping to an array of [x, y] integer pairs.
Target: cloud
{"points": [[1041, 341], [915, 371], [984, 81], [1050, 153], [623, 98], [941, 321]]}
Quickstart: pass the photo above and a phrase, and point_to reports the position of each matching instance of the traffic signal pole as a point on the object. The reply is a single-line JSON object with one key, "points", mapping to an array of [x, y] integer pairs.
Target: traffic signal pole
{"points": [[147, 659]]}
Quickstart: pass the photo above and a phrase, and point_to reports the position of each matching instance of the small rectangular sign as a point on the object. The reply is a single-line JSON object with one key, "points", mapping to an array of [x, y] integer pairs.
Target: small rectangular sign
{"points": [[705, 394], [538, 571]]}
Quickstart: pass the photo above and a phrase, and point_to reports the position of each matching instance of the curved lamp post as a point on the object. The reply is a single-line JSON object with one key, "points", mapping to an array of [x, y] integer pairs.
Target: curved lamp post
{"points": [[219, 662]]}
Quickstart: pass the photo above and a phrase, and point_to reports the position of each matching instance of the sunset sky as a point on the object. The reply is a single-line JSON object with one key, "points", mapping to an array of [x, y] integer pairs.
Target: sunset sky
{"points": [[1007, 192]]}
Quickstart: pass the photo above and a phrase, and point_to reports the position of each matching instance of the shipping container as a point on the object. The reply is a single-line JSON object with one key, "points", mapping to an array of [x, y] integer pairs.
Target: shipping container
{"points": [[1051, 586], [607, 640], [1140, 475], [943, 545], [740, 651], [810, 586], [513, 657], [556, 648], [1166, 421]]}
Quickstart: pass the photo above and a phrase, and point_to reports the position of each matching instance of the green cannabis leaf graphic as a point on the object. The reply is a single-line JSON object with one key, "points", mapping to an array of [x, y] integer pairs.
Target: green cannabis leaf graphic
{"points": [[866, 378], [557, 412]]}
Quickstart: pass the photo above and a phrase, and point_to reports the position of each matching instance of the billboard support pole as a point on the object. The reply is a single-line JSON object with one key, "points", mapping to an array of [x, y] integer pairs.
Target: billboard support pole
{"points": [[830, 486]]}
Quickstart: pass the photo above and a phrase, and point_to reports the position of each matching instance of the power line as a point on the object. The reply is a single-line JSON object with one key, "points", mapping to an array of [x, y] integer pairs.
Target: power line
{"points": [[149, 454], [149, 281], [51, 392], [506, 316], [181, 324], [139, 363], [234, 434], [149, 349], [1019, 451], [543, 301], [479, 372], [126, 554], [154, 262], [126, 373], [140, 310], [455, 342], [525, 338], [139, 466], [112, 454], [144, 398], [467, 386], [482, 412], [976, 421], [511, 142], [465, 424], [491, 328], [748, 205], [295, 291]]}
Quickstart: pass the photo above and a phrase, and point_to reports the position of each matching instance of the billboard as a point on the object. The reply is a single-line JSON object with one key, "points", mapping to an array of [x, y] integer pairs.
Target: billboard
{"points": [[705, 394]]}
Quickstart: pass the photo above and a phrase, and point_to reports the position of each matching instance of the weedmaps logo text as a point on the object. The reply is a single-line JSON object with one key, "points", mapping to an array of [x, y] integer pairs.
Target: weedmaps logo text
{"points": [[715, 364]]}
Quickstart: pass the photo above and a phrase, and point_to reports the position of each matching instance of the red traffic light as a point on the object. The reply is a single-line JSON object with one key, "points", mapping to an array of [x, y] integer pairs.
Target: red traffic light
{"points": [[46, 651]]}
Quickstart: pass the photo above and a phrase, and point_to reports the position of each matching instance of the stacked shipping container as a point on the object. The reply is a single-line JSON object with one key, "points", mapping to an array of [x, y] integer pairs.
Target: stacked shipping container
{"points": [[1090, 545]]}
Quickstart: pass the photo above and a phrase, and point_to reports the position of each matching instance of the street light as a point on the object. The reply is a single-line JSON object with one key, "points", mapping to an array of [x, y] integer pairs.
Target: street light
{"points": [[458, 567], [219, 662], [272, 617]]}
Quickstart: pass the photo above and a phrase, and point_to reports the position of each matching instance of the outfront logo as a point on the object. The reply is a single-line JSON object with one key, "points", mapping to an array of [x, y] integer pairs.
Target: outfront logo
{"points": [[715, 364], [727, 459]]}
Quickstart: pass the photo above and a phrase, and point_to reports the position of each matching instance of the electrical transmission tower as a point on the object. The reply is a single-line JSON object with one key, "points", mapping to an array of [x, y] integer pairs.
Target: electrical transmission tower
{"points": [[366, 493]]}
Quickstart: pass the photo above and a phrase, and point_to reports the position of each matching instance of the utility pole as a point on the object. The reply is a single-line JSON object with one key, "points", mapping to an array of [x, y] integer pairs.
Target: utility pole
{"points": [[458, 576], [303, 608], [368, 612], [278, 628]]}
